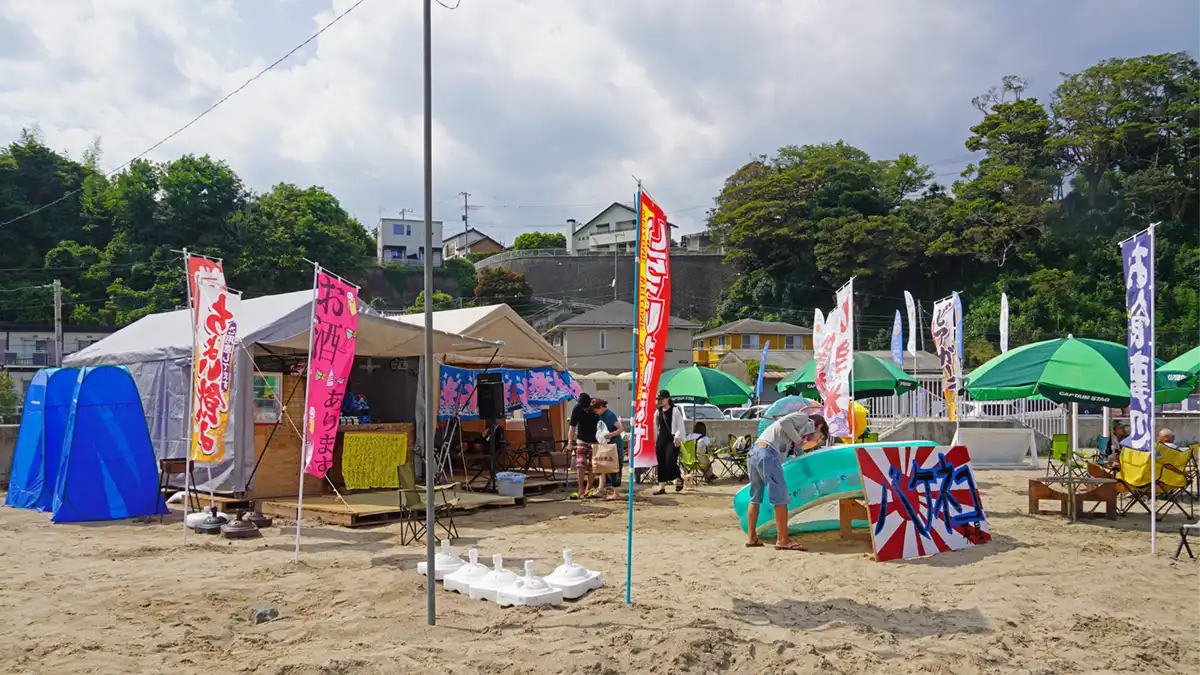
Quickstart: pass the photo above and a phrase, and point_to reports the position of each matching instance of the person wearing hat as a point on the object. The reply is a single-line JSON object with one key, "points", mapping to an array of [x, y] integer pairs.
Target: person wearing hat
{"points": [[668, 436]]}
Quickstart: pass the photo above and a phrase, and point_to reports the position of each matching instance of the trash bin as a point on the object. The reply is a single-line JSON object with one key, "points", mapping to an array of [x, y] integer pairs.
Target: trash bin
{"points": [[510, 484]]}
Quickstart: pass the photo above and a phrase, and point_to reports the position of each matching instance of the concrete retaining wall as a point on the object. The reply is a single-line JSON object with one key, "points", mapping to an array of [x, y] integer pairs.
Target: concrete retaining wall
{"points": [[697, 280], [8, 442]]}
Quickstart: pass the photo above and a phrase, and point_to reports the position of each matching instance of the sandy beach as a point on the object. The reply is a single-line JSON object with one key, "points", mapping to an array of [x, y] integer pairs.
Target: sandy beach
{"points": [[1042, 597]]}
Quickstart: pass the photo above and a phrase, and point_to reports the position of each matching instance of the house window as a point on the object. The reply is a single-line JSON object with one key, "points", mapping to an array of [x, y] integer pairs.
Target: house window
{"points": [[601, 385], [721, 342], [408, 230], [789, 342], [603, 340], [602, 227], [398, 229], [749, 341], [268, 409]]}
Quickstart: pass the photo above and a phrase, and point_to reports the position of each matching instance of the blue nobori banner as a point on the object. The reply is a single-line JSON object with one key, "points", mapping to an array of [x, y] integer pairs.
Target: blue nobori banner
{"points": [[1137, 253]]}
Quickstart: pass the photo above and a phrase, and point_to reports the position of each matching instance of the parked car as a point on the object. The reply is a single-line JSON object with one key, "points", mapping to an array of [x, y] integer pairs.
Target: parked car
{"points": [[745, 412], [701, 411]]}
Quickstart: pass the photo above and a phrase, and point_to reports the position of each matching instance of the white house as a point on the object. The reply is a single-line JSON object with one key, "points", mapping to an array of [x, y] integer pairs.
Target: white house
{"points": [[402, 241], [613, 229], [24, 348]]}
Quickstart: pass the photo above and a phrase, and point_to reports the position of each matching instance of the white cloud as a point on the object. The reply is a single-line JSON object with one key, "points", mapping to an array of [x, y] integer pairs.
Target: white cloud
{"points": [[537, 102]]}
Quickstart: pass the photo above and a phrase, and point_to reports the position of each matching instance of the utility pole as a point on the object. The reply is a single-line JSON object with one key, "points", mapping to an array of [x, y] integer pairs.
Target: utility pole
{"points": [[404, 211], [58, 327], [466, 226], [427, 353]]}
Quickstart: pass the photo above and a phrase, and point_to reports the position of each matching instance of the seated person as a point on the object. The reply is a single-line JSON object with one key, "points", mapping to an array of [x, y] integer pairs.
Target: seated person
{"points": [[703, 449], [1112, 454], [1167, 437]]}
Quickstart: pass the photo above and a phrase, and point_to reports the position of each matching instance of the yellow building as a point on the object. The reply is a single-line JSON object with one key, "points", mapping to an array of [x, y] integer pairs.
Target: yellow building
{"points": [[709, 347]]}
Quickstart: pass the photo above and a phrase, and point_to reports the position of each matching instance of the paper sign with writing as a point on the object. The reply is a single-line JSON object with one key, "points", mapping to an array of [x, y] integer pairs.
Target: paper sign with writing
{"points": [[921, 500], [945, 341], [334, 333], [371, 459], [212, 369], [653, 315]]}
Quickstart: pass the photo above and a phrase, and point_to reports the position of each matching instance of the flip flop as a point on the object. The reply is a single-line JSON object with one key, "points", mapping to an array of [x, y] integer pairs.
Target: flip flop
{"points": [[757, 544], [791, 546]]}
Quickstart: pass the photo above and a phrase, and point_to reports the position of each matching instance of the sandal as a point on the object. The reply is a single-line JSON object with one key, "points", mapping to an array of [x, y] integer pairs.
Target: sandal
{"points": [[573, 496], [791, 546], [660, 491], [754, 544]]}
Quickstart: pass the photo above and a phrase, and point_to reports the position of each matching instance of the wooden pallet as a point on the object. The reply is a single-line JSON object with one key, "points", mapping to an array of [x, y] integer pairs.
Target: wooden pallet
{"points": [[371, 508]]}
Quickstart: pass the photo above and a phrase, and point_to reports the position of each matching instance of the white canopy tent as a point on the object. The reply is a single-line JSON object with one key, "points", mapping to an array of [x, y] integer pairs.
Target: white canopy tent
{"points": [[157, 350]]}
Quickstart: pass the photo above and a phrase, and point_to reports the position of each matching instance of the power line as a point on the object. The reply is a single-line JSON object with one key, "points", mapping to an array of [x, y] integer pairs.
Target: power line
{"points": [[197, 118]]}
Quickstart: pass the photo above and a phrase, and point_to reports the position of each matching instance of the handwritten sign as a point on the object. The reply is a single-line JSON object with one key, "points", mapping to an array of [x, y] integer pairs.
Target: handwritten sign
{"points": [[945, 340], [921, 500], [837, 337], [371, 459], [653, 315], [334, 332], [212, 369]]}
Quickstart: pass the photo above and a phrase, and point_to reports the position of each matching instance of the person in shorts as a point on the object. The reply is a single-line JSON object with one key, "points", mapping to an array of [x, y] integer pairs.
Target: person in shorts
{"points": [[582, 435], [765, 465]]}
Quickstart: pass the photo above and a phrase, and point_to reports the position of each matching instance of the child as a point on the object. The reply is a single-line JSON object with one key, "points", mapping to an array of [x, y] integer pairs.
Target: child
{"points": [[703, 449]]}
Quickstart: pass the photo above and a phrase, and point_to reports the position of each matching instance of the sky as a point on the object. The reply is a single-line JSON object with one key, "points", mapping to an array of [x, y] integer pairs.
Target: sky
{"points": [[544, 110]]}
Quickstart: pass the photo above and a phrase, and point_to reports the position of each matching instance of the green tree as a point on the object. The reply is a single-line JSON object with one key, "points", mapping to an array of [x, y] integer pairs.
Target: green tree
{"points": [[498, 285], [531, 240], [8, 398], [441, 301]]}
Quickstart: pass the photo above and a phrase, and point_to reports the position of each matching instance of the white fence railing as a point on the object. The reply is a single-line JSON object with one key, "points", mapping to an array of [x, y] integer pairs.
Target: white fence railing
{"points": [[1047, 418]]}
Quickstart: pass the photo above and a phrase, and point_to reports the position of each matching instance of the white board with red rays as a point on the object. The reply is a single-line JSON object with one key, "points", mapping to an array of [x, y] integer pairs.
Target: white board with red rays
{"points": [[921, 500]]}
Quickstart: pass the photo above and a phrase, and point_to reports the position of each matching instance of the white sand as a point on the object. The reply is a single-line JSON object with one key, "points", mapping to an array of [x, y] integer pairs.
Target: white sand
{"points": [[1042, 597]]}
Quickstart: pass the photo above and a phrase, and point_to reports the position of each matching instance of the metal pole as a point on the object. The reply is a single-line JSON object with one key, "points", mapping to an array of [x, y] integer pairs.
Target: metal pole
{"points": [[58, 326], [430, 402], [304, 419], [1153, 429], [916, 359], [187, 457]]}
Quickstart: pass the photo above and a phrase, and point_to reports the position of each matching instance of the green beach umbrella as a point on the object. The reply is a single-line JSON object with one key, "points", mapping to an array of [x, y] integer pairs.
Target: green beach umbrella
{"points": [[696, 384], [1066, 370], [871, 377], [1184, 367]]}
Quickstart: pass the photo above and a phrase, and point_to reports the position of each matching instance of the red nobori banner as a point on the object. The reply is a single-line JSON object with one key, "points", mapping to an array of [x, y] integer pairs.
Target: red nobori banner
{"points": [[202, 270], [653, 320]]}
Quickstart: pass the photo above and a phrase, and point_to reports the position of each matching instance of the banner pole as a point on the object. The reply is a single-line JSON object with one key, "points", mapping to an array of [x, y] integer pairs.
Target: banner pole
{"points": [[312, 314], [187, 462], [633, 439], [1153, 429]]}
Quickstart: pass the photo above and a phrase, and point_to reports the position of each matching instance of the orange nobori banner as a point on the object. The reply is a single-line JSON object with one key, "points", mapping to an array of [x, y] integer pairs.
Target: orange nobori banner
{"points": [[653, 320]]}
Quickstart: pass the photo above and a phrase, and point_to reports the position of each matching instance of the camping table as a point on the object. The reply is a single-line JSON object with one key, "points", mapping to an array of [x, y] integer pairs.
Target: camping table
{"points": [[1072, 482]]}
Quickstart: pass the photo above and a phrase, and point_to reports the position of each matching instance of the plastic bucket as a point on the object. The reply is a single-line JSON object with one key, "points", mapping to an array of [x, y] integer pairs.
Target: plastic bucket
{"points": [[510, 484]]}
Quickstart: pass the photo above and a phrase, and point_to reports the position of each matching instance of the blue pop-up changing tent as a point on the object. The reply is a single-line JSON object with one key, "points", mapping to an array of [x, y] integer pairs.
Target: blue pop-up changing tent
{"points": [[39, 440], [107, 470]]}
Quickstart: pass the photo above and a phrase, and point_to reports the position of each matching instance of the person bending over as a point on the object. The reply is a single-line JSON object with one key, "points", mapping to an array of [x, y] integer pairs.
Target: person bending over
{"points": [[766, 471]]}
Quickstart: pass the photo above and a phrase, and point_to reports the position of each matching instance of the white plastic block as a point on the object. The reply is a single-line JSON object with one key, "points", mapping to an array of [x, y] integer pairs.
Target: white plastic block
{"points": [[493, 582], [461, 579], [445, 562], [529, 590], [572, 579]]}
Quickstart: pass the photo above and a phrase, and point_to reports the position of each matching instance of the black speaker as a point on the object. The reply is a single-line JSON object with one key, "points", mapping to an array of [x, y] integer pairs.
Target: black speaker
{"points": [[491, 396]]}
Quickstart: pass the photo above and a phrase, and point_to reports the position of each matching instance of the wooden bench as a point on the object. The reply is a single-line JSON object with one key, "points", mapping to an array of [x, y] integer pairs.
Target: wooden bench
{"points": [[1100, 490]]}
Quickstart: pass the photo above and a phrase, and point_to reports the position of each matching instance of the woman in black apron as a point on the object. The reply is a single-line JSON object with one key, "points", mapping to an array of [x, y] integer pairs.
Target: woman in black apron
{"points": [[668, 436]]}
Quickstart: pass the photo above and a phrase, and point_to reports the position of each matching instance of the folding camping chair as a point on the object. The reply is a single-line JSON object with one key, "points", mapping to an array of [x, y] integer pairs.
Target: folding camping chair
{"points": [[690, 462], [1064, 460], [733, 457], [412, 507], [1185, 531], [541, 449], [1171, 484]]}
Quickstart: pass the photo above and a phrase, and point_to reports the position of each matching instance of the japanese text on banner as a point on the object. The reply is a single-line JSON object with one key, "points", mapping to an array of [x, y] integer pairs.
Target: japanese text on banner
{"points": [[838, 345], [945, 341], [1138, 256], [334, 332], [202, 270], [212, 369], [653, 317]]}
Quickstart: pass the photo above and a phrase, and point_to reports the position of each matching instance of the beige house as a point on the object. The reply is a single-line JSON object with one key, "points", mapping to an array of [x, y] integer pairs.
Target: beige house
{"points": [[602, 340]]}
